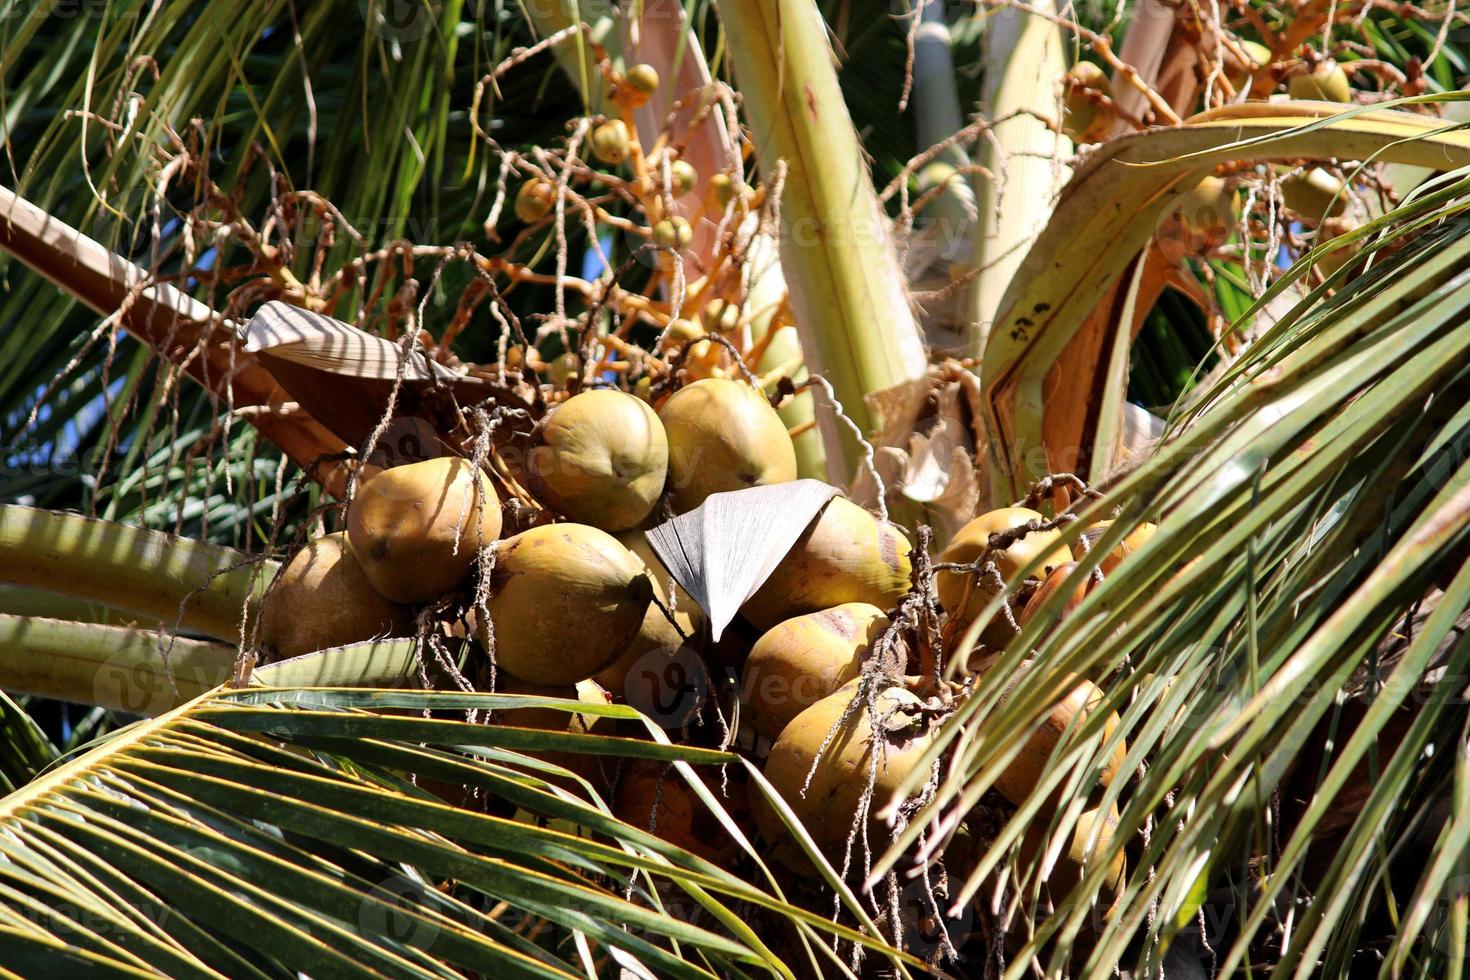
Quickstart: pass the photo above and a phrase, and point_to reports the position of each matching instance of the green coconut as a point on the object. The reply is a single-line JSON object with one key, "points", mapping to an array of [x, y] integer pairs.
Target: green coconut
{"points": [[601, 459], [1326, 82], [565, 601], [322, 599], [798, 662], [723, 435], [845, 555], [417, 529]]}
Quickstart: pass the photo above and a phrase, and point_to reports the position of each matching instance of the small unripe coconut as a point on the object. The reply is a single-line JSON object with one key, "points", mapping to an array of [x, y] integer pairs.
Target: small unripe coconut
{"points": [[602, 459], [653, 797], [1134, 540], [722, 189], [1314, 194], [564, 368], [673, 232], [724, 435], [566, 599], [535, 199], [830, 803], [1082, 118], [963, 601], [720, 315], [1060, 579], [683, 176], [642, 78], [322, 599], [1074, 860], [1326, 82], [845, 555], [1024, 773], [798, 662], [610, 142], [1240, 74], [656, 632], [1202, 218], [417, 529]]}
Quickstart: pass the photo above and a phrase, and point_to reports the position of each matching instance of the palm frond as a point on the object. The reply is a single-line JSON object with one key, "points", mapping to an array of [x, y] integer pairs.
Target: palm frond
{"points": [[1286, 655], [272, 832]]}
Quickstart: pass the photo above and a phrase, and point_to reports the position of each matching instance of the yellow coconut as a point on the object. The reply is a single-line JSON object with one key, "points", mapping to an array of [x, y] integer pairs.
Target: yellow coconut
{"points": [[684, 177], [566, 600], [1060, 579], [1239, 74], [1075, 858], [601, 459], [416, 529], [652, 796], [723, 435], [322, 599], [798, 662], [1024, 773], [963, 595], [829, 806], [1326, 82], [1134, 540], [535, 199], [721, 190], [656, 632], [845, 555]]}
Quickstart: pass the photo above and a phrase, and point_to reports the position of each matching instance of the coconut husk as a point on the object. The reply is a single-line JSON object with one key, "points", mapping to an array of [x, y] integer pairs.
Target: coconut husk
{"points": [[722, 551]]}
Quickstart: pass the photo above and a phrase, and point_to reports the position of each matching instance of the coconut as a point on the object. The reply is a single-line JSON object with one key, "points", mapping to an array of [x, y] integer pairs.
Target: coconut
{"points": [[684, 177], [1075, 858], [839, 780], [673, 232], [1134, 540], [601, 459], [845, 555], [566, 600], [1327, 82], [656, 632], [1239, 74], [652, 796], [535, 199], [1061, 578], [721, 190], [643, 78], [610, 142], [804, 659], [1314, 194], [1024, 773], [964, 601], [1200, 219], [322, 599], [1083, 120], [416, 529], [724, 435]]}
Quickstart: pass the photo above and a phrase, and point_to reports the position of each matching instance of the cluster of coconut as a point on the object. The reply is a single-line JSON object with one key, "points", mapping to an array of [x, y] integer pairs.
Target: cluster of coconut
{"points": [[579, 600]]}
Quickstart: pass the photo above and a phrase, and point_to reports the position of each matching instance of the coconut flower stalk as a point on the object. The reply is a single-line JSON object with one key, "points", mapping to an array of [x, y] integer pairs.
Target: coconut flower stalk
{"points": [[853, 313]]}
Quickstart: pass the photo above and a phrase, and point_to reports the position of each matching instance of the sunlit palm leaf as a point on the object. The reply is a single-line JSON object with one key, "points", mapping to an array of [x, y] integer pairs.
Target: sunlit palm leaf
{"points": [[1257, 648], [266, 832]]}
